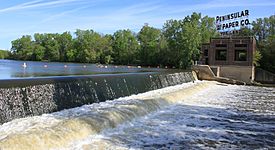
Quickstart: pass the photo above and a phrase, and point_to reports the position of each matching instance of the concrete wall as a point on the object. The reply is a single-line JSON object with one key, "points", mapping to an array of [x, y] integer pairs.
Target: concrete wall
{"points": [[242, 73], [264, 76], [35, 96], [216, 70], [204, 72]]}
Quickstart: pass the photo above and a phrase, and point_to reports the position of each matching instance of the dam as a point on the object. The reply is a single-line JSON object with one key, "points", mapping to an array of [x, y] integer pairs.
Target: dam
{"points": [[136, 111], [36, 96]]}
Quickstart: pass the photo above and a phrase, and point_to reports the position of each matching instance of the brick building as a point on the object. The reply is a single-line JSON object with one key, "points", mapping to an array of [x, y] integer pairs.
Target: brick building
{"points": [[230, 57]]}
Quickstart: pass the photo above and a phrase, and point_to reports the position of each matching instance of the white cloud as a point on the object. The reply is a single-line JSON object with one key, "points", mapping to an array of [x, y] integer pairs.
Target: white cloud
{"points": [[37, 4], [132, 17], [57, 16]]}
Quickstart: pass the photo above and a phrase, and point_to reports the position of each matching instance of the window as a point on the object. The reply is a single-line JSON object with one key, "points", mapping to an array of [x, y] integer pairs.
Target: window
{"points": [[240, 55], [221, 54], [206, 52]]}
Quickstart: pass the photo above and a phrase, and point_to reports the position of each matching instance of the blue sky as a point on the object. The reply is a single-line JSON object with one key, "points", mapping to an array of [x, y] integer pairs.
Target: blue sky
{"points": [[26, 17]]}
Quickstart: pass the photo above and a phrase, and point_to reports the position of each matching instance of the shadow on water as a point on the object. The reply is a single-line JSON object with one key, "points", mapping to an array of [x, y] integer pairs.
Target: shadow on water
{"points": [[193, 127]]}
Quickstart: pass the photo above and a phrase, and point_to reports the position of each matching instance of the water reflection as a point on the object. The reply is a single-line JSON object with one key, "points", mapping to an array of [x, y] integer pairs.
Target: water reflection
{"points": [[18, 69]]}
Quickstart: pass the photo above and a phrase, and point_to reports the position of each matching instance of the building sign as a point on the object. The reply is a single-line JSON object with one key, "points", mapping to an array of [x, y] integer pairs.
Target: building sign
{"points": [[231, 23]]}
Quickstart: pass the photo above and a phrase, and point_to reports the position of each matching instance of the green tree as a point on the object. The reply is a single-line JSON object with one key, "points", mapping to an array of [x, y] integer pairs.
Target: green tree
{"points": [[192, 37], [106, 49], [4, 54], [208, 29], [264, 31], [256, 58], [46, 45], [65, 42], [163, 51], [87, 45], [22, 48], [177, 44], [172, 33], [38, 48], [267, 48], [184, 38], [125, 47], [246, 32], [149, 39], [38, 52]]}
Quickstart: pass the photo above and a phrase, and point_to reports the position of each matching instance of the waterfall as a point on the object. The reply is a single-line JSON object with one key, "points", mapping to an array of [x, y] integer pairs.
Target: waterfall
{"points": [[35, 96], [57, 130]]}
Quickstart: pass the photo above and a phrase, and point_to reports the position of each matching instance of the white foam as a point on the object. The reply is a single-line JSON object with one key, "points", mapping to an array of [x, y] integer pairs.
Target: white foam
{"points": [[88, 119], [212, 116], [208, 119]]}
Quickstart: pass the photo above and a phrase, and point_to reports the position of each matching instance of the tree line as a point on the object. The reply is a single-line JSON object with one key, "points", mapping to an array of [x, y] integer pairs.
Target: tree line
{"points": [[263, 29], [176, 44], [4, 54]]}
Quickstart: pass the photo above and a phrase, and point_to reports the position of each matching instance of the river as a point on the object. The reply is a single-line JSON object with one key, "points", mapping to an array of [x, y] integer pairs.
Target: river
{"points": [[199, 115], [10, 69]]}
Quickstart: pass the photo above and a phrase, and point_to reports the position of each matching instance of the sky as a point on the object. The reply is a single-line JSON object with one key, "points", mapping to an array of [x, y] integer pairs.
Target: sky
{"points": [[26, 17]]}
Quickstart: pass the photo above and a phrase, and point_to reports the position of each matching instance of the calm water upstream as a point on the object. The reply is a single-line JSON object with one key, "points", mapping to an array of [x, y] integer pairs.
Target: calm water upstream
{"points": [[200, 115], [14, 69]]}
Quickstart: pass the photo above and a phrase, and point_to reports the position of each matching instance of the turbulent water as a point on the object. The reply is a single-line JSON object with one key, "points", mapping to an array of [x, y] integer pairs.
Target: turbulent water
{"points": [[200, 115]]}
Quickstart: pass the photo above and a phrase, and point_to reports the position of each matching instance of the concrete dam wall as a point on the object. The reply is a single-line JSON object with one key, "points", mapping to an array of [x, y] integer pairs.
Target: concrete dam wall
{"points": [[35, 96], [264, 76]]}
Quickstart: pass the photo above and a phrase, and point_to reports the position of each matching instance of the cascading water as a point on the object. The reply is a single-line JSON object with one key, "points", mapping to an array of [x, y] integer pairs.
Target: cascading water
{"points": [[58, 129], [28, 97], [199, 115]]}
